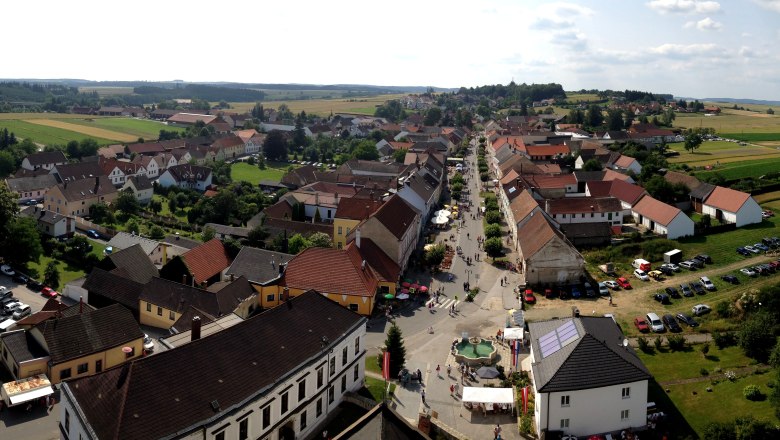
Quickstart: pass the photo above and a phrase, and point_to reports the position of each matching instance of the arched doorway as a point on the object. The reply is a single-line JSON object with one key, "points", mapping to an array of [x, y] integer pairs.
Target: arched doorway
{"points": [[287, 432]]}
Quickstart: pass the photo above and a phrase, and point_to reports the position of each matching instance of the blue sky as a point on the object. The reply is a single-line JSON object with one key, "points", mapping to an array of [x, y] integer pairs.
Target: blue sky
{"points": [[686, 47]]}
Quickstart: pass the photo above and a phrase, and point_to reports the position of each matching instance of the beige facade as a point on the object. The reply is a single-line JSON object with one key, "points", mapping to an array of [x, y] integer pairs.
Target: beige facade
{"points": [[57, 202]]}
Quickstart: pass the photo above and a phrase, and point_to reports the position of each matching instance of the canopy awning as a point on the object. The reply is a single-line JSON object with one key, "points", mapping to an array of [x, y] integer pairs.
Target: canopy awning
{"points": [[25, 390], [31, 395], [513, 333], [489, 395]]}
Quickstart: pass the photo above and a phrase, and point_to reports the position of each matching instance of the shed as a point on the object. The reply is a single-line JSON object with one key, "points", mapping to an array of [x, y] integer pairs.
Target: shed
{"points": [[673, 256]]}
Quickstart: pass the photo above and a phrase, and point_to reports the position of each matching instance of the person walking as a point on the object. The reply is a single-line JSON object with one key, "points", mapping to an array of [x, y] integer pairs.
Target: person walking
{"points": [[497, 431], [422, 396], [438, 370], [452, 390], [449, 370]]}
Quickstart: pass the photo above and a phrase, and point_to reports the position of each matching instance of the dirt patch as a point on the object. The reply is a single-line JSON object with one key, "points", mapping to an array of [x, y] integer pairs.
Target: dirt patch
{"points": [[89, 131]]}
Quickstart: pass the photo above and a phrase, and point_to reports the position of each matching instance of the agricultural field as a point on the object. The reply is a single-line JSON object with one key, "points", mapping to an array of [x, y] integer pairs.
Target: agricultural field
{"points": [[713, 153], [55, 128], [108, 91], [743, 169], [323, 107], [581, 97], [731, 121]]}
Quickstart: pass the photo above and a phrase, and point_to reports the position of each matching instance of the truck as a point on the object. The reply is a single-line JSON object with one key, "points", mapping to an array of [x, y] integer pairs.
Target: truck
{"points": [[608, 269], [641, 264], [673, 256]]}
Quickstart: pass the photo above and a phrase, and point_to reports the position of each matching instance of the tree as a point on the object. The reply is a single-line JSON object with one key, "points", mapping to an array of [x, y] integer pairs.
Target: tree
{"points": [[769, 111], [493, 217], [256, 237], [435, 255], [101, 214], [615, 119], [692, 141], [394, 344], [756, 336], [156, 232], [576, 116], [7, 164], [23, 242], [127, 203], [493, 230], [51, 275], [592, 165], [207, 234], [320, 239], [494, 247], [432, 116], [275, 146], [594, 117], [400, 154], [297, 243], [132, 226], [365, 151], [155, 206]]}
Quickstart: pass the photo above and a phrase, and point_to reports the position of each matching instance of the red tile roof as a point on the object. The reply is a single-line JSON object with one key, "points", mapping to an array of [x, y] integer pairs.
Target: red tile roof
{"points": [[598, 188], [625, 192], [624, 161], [549, 182], [656, 210], [547, 150], [206, 260], [727, 199], [578, 205], [522, 205], [396, 215], [534, 234], [331, 271], [384, 267], [356, 208]]}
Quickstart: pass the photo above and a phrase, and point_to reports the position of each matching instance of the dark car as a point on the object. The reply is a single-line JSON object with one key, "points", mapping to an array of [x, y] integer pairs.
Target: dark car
{"points": [[93, 233], [768, 241], [671, 291], [686, 291], [742, 251], [550, 293], [730, 279], [563, 293], [687, 320], [768, 267], [671, 324], [760, 270], [666, 270], [704, 258], [697, 263], [21, 278], [575, 292], [662, 298], [34, 285], [698, 288]]}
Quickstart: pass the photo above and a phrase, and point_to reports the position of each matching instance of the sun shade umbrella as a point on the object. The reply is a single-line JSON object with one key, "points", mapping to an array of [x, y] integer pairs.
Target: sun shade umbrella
{"points": [[403, 296], [406, 284], [389, 296], [423, 289], [487, 372]]}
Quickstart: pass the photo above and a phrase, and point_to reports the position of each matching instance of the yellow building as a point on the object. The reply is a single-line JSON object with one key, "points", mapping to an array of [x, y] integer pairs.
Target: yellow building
{"points": [[349, 214], [80, 343], [76, 197], [263, 269]]}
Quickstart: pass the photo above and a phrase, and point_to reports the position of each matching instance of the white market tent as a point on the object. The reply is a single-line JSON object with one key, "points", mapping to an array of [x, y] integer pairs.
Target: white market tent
{"points": [[489, 395], [511, 333]]}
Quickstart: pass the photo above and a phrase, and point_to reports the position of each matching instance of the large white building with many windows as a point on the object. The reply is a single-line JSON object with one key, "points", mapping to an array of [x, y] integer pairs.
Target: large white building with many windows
{"points": [[274, 376], [586, 379]]}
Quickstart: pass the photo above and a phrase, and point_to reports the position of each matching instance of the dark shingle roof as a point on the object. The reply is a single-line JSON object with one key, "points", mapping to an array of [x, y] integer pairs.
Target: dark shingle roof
{"points": [[141, 182], [258, 265], [84, 334], [178, 297], [78, 170], [46, 157], [396, 215], [580, 364], [22, 346], [136, 261], [181, 173], [182, 241], [122, 290], [32, 183], [237, 363], [85, 189]]}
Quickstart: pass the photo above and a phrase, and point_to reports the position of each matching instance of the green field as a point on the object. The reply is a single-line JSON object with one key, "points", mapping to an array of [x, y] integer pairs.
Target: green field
{"points": [[142, 128], [717, 153], [42, 134], [68, 272], [752, 137], [731, 121], [744, 169], [581, 97], [323, 107], [242, 171], [108, 91]]}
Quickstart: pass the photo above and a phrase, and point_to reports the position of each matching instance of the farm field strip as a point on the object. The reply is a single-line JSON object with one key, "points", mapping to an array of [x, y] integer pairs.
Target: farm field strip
{"points": [[322, 107], [28, 116], [43, 134], [746, 168], [731, 121], [144, 128], [89, 131]]}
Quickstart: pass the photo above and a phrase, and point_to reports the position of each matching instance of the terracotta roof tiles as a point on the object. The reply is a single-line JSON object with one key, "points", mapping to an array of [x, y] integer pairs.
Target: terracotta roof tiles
{"points": [[206, 260]]}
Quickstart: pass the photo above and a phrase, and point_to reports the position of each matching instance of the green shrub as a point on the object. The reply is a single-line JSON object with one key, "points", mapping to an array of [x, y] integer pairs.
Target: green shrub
{"points": [[493, 217], [643, 344], [724, 309], [676, 342], [658, 342], [723, 340], [752, 392], [484, 177], [704, 372], [492, 230], [653, 250]]}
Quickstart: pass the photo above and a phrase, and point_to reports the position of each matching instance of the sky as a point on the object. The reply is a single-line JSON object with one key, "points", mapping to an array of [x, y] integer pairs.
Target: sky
{"points": [[691, 48]]}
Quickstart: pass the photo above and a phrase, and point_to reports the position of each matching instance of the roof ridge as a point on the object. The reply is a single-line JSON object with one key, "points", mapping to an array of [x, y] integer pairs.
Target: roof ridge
{"points": [[121, 411]]}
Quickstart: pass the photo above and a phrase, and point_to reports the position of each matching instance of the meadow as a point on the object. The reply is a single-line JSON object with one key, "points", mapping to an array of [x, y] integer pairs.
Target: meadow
{"points": [[745, 168], [242, 171], [323, 107], [720, 152], [731, 121], [107, 91]]}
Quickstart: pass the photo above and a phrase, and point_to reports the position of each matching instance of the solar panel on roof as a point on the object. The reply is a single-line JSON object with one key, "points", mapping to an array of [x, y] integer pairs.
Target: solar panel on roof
{"points": [[567, 333], [562, 336]]}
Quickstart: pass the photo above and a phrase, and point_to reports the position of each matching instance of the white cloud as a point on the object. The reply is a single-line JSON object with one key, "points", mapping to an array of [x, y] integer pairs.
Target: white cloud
{"points": [[687, 51], [707, 24], [684, 6], [557, 15], [747, 52], [570, 38], [773, 5]]}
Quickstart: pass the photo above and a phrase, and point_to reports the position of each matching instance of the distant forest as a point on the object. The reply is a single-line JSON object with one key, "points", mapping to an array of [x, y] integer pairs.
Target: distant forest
{"points": [[516, 93]]}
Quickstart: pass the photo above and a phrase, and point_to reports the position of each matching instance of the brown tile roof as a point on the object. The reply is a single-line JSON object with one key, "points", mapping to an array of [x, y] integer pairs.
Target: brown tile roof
{"points": [[245, 135], [509, 177], [191, 118], [126, 402], [356, 208], [385, 268], [206, 260], [46, 157], [78, 170], [178, 297], [396, 215], [614, 175], [598, 188], [534, 234], [624, 161], [548, 182], [625, 192], [727, 199], [522, 205], [331, 271], [228, 141], [549, 168], [547, 150], [86, 189], [578, 205], [656, 210], [519, 163], [676, 177], [145, 148]]}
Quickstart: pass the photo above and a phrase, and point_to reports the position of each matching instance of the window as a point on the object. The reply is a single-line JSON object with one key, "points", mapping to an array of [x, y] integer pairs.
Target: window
{"points": [[563, 215], [319, 378], [172, 316], [65, 373], [564, 423], [82, 368], [344, 384], [331, 394], [159, 311], [340, 245], [302, 390], [148, 307], [340, 232], [285, 403], [332, 366], [131, 353], [269, 298], [347, 230], [267, 416], [219, 436], [355, 373], [243, 429], [624, 415], [98, 366], [303, 420], [353, 307], [67, 421], [344, 356], [564, 400], [609, 216], [626, 392]]}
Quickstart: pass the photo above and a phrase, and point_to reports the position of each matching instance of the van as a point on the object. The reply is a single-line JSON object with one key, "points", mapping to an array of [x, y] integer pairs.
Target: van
{"points": [[641, 264], [7, 324], [656, 325], [21, 312]]}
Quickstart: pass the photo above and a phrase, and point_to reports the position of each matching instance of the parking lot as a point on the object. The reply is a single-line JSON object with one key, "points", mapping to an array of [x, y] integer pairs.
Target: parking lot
{"points": [[26, 296]]}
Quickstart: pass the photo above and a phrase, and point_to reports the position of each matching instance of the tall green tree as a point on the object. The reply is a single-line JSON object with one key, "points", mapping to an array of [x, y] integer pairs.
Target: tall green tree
{"points": [[127, 203], [394, 344], [494, 247], [23, 242], [51, 275], [207, 234], [297, 243], [615, 119], [756, 336], [692, 141], [592, 165], [432, 116], [594, 116], [275, 146]]}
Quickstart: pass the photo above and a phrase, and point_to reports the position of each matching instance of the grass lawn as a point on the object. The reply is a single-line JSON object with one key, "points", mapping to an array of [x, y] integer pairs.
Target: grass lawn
{"points": [[670, 365], [753, 137], [180, 214], [731, 121], [375, 387], [143, 128], [46, 135], [746, 168], [242, 171], [716, 153], [372, 366]]}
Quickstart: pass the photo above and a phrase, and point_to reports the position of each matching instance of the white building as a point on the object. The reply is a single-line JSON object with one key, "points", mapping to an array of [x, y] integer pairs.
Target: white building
{"points": [[730, 206], [251, 380], [186, 176], [661, 218], [586, 380], [141, 188]]}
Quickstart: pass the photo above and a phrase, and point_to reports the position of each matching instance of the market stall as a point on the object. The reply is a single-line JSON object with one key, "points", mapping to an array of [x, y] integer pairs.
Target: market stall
{"points": [[489, 400]]}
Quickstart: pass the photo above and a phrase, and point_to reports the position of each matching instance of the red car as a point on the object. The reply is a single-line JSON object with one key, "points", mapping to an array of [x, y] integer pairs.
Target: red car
{"points": [[622, 282], [548, 293], [529, 297], [48, 291], [641, 325]]}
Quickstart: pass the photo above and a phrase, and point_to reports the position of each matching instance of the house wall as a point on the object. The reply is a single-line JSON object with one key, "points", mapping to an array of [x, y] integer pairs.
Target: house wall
{"points": [[748, 214], [326, 212], [363, 305], [386, 241], [329, 394], [555, 263], [592, 411], [55, 201], [20, 370], [681, 226], [341, 228], [110, 358], [156, 316], [615, 218], [24, 196]]}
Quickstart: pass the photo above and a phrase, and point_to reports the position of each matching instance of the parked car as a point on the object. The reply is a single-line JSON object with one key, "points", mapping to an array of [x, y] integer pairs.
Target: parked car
{"points": [[662, 298], [49, 292], [148, 343], [603, 289], [687, 320], [768, 241], [21, 278], [93, 234], [549, 293], [6, 269], [641, 325], [612, 284], [529, 297], [666, 270], [564, 293], [698, 288], [748, 271], [671, 323], [639, 273], [589, 291], [752, 249], [696, 263], [623, 282], [769, 267], [656, 275], [688, 265], [760, 270], [761, 247], [5, 293], [730, 279], [575, 292], [671, 266], [700, 309], [34, 285], [656, 325], [672, 292], [707, 283], [742, 251], [704, 258], [686, 291]]}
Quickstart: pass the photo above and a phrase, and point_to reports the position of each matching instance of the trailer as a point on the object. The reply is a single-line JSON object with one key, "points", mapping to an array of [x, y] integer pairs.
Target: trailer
{"points": [[26, 390], [673, 256], [608, 269]]}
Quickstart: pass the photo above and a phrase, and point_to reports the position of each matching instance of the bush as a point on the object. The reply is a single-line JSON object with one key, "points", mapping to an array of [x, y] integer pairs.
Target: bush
{"points": [[724, 309], [491, 204], [653, 250], [676, 342], [492, 230], [493, 217], [723, 340], [658, 342], [494, 247], [752, 392], [704, 372], [484, 177], [643, 344]]}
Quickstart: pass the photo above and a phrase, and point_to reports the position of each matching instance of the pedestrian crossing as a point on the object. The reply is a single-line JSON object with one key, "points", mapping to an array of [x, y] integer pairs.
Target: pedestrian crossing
{"points": [[444, 303]]}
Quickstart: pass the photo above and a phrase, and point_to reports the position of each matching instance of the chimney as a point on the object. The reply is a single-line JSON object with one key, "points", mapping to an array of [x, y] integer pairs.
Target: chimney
{"points": [[232, 277], [97, 183], [357, 237], [336, 198], [195, 331], [184, 279], [285, 294], [281, 268], [547, 205], [363, 265], [81, 305]]}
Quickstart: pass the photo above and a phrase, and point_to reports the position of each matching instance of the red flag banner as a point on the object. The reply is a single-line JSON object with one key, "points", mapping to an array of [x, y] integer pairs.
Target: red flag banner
{"points": [[525, 400], [386, 366]]}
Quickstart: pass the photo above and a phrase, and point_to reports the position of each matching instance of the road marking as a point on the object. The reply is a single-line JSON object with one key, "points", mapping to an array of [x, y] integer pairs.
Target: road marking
{"points": [[446, 303]]}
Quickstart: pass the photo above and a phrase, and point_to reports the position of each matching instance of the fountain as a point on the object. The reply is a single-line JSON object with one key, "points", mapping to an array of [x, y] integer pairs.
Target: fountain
{"points": [[475, 351]]}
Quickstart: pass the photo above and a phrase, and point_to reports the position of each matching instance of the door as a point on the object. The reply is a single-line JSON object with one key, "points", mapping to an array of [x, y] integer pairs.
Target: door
{"points": [[287, 432], [98, 366]]}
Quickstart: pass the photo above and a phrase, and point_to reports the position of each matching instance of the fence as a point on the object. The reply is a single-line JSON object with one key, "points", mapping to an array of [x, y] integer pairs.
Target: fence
{"points": [[86, 225]]}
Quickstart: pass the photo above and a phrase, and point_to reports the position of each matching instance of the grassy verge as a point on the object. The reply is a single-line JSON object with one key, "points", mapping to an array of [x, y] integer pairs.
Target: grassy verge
{"points": [[241, 171], [376, 388], [372, 366], [672, 365]]}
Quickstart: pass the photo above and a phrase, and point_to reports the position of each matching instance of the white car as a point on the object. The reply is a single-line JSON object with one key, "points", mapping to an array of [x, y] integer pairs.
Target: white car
{"points": [[655, 323], [603, 290], [671, 266], [148, 343], [707, 283], [748, 271], [700, 309], [612, 284], [6, 269], [639, 273]]}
